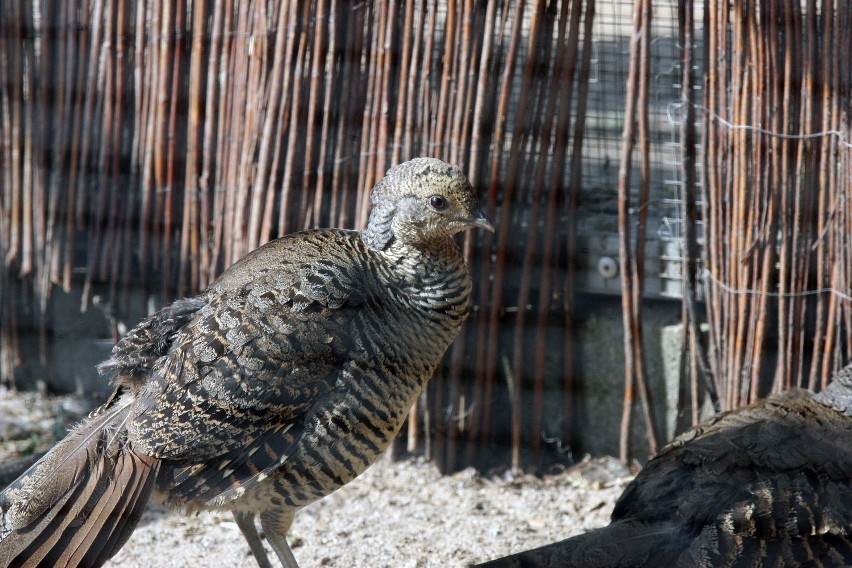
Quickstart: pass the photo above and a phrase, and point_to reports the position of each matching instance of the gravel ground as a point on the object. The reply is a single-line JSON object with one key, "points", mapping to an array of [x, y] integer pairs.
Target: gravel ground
{"points": [[29, 426], [397, 514]]}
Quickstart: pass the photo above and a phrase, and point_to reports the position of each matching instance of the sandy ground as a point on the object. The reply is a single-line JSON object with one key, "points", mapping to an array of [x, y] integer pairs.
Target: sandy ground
{"points": [[398, 514]]}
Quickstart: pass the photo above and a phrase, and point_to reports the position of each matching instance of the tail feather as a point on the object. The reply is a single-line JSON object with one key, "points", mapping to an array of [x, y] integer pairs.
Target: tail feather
{"points": [[77, 505], [14, 541], [623, 544], [44, 545], [115, 513]]}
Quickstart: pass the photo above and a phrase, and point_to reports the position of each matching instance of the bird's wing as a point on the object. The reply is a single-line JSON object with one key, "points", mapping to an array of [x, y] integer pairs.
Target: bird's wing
{"points": [[779, 466], [240, 379], [765, 485], [135, 354]]}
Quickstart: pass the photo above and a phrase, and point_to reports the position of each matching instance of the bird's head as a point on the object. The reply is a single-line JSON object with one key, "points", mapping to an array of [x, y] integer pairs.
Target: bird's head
{"points": [[420, 201]]}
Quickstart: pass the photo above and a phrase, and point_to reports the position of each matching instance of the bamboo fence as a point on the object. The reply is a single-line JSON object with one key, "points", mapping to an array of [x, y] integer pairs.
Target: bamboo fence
{"points": [[776, 178], [150, 144]]}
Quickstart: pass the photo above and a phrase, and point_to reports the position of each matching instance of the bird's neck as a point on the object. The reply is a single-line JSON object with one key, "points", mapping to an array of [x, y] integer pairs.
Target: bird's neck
{"points": [[418, 259], [430, 273]]}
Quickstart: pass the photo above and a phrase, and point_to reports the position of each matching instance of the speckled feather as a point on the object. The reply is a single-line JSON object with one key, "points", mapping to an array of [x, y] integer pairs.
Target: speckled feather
{"points": [[769, 484], [281, 382]]}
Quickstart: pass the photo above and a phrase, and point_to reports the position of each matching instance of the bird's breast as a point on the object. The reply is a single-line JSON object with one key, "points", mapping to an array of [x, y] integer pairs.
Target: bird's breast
{"points": [[394, 349]]}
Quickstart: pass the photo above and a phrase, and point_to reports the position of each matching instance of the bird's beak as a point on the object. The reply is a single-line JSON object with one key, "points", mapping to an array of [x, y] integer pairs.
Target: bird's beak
{"points": [[478, 219]]}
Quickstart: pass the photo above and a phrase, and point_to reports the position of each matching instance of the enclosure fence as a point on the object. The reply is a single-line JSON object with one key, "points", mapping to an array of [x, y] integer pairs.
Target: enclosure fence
{"points": [[150, 143]]}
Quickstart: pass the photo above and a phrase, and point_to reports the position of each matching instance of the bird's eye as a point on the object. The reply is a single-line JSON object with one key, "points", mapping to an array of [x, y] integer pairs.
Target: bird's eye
{"points": [[438, 202]]}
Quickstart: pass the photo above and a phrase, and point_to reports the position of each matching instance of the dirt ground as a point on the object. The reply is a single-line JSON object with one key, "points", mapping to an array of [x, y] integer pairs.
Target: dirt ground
{"points": [[397, 514]]}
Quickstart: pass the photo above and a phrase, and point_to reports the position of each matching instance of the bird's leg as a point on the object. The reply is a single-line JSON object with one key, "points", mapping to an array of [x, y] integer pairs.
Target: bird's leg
{"points": [[246, 523], [275, 526]]}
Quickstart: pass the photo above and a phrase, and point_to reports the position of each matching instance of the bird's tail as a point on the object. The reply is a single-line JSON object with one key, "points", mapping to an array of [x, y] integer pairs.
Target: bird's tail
{"points": [[621, 544], [78, 504]]}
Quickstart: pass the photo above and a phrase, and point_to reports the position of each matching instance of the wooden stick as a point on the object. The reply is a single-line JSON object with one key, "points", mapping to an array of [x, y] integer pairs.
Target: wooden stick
{"points": [[651, 429], [95, 237], [690, 254], [481, 92], [570, 238], [260, 214], [324, 215], [625, 254], [172, 149], [346, 173], [220, 165], [312, 208], [415, 76], [480, 321], [366, 161], [190, 243], [288, 179], [115, 226], [482, 421], [383, 106]]}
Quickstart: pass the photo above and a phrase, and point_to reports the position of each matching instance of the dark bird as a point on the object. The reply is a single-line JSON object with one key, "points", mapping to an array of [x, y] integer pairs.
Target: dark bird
{"points": [[280, 383], [765, 485]]}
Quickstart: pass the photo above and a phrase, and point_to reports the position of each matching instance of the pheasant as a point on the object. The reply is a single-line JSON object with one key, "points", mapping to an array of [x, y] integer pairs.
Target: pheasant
{"points": [[284, 380], [769, 484]]}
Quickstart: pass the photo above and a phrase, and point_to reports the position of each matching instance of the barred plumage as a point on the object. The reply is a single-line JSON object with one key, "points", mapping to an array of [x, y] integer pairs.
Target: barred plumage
{"points": [[283, 381], [769, 484]]}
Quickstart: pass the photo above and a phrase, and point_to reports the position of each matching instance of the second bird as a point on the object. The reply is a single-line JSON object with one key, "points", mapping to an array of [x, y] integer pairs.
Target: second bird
{"points": [[280, 383]]}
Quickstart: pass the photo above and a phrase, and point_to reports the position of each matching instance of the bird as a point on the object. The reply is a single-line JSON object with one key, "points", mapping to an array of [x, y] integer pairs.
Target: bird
{"points": [[769, 484], [281, 382]]}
